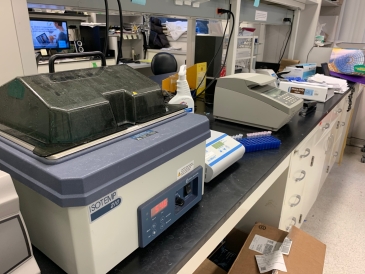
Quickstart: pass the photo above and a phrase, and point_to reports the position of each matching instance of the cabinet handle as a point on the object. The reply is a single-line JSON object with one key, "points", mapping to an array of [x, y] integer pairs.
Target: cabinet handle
{"points": [[301, 178], [328, 144], [299, 198], [306, 155], [343, 124], [326, 126], [335, 154], [339, 110], [292, 220]]}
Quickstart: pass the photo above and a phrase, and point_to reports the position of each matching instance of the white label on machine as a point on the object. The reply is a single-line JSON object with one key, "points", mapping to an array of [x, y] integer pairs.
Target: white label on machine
{"points": [[264, 245], [185, 169], [103, 205]]}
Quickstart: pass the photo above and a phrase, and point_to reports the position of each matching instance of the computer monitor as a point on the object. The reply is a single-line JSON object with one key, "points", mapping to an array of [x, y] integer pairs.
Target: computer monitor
{"points": [[47, 34]]}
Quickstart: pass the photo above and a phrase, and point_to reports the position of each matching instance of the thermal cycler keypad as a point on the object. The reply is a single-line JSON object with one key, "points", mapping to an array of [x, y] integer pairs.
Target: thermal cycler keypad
{"points": [[288, 99]]}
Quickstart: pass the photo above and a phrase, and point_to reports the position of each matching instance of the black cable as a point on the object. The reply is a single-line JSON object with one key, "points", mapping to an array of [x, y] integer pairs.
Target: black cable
{"points": [[106, 27], [309, 53], [225, 59], [282, 46], [120, 52], [215, 55], [287, 41]]}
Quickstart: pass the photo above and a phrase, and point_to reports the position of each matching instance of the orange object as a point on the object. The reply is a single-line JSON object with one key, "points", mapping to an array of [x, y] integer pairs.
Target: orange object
{"points": [[194, 75]]}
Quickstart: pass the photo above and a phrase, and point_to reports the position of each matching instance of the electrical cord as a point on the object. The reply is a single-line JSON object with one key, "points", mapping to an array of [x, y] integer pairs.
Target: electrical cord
{"points": [[215, 55], [225, 59], [282, 47], [287, 41], [120, 52], [106, 27], [309, 53], [350, 98]]}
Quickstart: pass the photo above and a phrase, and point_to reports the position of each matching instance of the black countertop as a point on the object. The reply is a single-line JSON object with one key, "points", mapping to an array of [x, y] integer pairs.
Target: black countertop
{"points": [[222, 196]]}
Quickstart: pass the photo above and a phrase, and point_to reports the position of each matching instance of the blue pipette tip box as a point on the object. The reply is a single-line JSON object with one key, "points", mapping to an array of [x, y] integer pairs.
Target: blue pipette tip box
{"points": [[260, 143]]}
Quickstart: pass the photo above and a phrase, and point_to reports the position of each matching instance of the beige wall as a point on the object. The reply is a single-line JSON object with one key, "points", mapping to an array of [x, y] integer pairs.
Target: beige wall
{"points": [[16, 47]]}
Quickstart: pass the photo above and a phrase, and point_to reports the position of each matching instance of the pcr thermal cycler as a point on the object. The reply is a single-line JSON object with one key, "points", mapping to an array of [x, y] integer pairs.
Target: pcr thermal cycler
{"points": [[249, 98], [101, 164]]}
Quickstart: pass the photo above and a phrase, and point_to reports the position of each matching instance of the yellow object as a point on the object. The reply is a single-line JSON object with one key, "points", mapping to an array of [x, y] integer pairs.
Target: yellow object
{"points": [[169, 84], [194, 76], [145, 60]]}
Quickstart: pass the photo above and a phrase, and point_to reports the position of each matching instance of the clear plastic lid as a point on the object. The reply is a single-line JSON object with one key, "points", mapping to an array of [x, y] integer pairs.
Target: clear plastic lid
{"points": [[72, 107]]}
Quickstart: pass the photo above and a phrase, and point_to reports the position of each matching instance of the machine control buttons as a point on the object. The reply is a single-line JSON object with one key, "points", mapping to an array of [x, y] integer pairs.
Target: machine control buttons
{"points": [[161, 226], [162, 219], [154, 226], [154, 232]]}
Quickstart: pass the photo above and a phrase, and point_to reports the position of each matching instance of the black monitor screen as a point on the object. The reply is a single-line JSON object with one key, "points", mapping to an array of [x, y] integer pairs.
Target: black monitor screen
{"points": [[49, 34], [14, 245]]}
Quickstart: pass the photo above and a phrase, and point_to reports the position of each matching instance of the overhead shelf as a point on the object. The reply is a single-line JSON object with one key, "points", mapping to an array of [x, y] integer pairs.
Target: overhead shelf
{"points": [[127, 36], [328, 3], [64, 16]]}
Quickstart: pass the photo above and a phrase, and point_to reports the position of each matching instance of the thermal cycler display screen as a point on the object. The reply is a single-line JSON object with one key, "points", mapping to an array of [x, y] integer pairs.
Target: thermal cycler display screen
{"points": [[274, 93], [158, 208]]}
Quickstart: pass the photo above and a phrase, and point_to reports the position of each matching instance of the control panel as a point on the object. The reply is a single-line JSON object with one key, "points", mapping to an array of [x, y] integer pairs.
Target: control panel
{"points": [[162, 210], [288, 99]]}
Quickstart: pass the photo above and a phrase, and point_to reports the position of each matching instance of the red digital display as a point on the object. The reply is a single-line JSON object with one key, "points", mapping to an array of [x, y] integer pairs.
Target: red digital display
{"points": [[159, 207]]}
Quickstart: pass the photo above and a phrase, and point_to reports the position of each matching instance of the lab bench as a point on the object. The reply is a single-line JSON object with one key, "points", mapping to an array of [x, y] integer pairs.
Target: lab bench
{"points": [[269, 186]]}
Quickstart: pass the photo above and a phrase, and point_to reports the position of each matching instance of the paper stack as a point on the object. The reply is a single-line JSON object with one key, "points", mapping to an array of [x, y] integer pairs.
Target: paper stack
{"points": [[339, 85]]}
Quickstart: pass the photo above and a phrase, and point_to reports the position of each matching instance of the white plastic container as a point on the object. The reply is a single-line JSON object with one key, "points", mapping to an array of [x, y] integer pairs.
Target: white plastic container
{"points": [[183, 95]]}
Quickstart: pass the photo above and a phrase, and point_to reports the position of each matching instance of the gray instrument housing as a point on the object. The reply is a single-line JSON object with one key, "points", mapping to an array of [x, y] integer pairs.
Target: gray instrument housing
{"points": [[242, 98]]}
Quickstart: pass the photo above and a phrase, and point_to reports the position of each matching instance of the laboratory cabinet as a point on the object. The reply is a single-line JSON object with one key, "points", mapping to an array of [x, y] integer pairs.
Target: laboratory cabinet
{"points": [[309, 165]]}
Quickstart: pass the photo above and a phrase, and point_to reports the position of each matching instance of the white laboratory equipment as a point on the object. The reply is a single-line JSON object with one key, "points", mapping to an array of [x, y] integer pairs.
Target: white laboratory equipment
{"points": [[221, 151], [248, 98], [16, 255], [102, 165]]}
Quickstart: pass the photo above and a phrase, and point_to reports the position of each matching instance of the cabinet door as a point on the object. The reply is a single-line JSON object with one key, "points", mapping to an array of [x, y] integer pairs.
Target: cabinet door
{"points": [[312, 184], [345, 124], [338, 110], [334, 154], [327, 143], [297, 177]]}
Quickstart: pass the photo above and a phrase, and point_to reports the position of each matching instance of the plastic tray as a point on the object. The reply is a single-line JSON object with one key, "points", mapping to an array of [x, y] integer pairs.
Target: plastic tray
{"points": [[260, 143]]}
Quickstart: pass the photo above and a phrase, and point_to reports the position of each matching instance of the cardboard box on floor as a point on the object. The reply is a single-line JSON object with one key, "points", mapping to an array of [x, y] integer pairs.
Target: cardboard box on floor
{"points": [[306, 255], [233, 242]]}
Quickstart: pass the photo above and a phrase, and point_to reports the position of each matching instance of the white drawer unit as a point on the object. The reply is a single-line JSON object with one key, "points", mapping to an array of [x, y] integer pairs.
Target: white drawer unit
{"points": [[297, 178], [328, 143], [312, 185], [337, 111]]}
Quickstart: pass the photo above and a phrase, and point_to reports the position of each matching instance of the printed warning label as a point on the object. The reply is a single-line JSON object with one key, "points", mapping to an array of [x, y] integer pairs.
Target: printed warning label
{"points": [[185, 169]]}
